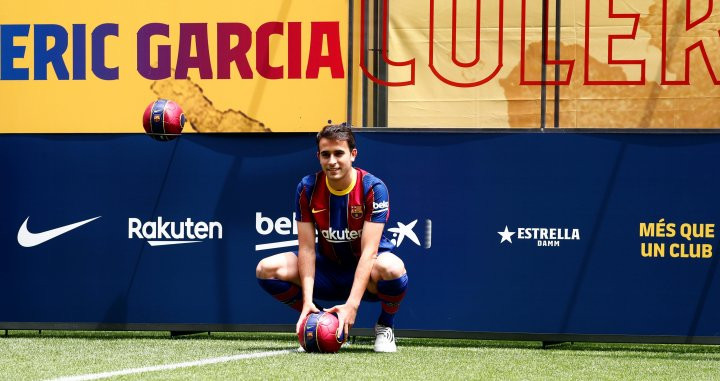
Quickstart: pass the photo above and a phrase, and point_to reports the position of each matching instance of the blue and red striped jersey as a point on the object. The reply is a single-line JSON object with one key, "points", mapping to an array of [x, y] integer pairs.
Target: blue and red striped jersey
{"points": [[339, 215]]}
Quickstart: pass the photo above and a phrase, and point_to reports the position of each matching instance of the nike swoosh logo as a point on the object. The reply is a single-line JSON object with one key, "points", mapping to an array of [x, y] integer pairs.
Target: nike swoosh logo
{"points": [[317, 211], [27, 239]]}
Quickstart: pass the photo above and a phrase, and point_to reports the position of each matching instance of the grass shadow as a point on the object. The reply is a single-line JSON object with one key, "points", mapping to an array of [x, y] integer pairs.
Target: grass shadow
{"points": [[640, 348], [575, 346], [145, 335], [362, 344]]}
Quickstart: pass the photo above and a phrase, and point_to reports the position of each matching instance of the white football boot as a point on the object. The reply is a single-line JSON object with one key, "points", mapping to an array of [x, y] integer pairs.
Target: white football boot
{"points": [[384, 339]]}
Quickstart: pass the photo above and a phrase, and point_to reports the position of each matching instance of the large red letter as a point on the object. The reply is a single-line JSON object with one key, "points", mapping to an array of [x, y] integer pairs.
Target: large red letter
{"points": [[294, 50], [237, 54], [611, 39], [455, 60], [185, 60], [568, 63], [262, 50], [363, 48], [697, 44], [333, 60]]}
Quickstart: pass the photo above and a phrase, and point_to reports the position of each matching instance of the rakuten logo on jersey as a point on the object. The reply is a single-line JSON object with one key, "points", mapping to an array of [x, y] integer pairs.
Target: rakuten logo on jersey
{"points": [[162, 233], [338, 236]]}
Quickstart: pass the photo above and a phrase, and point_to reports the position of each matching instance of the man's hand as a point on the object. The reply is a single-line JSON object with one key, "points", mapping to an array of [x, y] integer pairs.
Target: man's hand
{"points": [[308, 308], [346, 317]]}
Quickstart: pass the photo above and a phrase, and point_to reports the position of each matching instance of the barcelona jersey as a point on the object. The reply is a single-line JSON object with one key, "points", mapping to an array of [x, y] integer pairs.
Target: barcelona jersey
{"points": [[339, 215]]}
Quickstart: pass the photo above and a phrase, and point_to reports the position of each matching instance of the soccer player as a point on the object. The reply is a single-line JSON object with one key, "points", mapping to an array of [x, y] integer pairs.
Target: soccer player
{"points": [[352, 260]]}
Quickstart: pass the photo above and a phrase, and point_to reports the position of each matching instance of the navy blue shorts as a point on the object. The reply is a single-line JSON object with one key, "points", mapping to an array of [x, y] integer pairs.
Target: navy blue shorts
{"points": [[334, 282]]}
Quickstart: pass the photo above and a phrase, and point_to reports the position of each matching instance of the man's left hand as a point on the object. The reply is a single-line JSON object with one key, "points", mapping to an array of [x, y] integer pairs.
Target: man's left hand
{"points": [[346, 317]]}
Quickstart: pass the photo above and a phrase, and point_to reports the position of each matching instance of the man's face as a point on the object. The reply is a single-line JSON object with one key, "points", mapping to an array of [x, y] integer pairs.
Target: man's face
{"points": [[336, 159]]}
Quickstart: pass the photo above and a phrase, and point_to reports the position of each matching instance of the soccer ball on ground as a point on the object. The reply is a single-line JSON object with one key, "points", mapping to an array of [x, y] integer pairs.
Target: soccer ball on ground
{"points": [[163, 120], [317, 333]]}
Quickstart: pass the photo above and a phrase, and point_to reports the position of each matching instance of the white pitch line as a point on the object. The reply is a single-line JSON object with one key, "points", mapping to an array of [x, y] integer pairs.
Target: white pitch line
{"points": [[216, 360]]}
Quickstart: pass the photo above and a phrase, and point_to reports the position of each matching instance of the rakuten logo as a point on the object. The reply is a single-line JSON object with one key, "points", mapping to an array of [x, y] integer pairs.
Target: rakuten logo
{"points": [[161, 233], [337, 236]]}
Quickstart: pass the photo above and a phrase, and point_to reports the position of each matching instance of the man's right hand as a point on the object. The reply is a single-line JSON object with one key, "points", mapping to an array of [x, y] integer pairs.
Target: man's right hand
{"points": [[308, 308]]}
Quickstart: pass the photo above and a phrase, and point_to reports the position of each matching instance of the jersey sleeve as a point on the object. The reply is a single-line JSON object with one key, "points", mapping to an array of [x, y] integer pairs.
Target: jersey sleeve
{"points": [[302, 203], [378, 203]]}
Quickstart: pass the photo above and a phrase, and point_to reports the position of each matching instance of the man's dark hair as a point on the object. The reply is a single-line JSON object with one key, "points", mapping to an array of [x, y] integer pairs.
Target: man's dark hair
{"points": [[337, 132]]}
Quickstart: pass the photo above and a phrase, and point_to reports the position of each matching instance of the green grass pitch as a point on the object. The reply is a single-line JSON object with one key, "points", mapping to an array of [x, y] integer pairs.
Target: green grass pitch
{"points": [[27, 355]]}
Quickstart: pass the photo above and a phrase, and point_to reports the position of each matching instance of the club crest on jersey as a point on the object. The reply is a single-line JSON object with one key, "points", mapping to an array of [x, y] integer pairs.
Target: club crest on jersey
{"points": [[356, 211]]}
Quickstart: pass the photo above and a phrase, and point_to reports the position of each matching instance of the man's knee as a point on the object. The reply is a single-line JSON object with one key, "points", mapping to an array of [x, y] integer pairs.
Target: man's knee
{"points": [[389, 266], [276, 267], [264, 269], [269, 267]]}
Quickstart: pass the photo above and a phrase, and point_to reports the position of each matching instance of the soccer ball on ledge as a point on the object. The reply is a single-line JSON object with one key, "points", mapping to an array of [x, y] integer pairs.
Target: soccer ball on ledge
{"points": [[163, 120]]}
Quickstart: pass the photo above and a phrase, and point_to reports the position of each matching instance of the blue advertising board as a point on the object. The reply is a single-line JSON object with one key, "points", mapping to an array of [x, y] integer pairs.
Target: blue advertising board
{"points": [[590, 235]]}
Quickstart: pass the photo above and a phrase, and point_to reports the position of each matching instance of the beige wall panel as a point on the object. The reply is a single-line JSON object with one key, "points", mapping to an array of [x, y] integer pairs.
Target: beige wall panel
{"points": [[505, 102]]}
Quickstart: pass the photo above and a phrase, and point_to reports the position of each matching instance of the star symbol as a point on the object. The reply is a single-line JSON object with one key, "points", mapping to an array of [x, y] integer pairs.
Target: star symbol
{"points": [[405, 231], [506, 235]]}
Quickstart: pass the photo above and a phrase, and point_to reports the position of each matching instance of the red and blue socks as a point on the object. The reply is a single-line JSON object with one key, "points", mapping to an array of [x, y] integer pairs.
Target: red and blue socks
{"points": [[286, 292], [391, 293]]}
